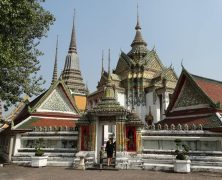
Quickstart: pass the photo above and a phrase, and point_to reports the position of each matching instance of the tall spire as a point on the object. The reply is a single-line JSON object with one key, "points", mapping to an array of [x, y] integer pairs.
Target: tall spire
{"points": [[109, 63], [55, 71], [109, 91], [139, 46], [72, 46], [71, 73], [138, 39], [102, 63], [138, 19]]}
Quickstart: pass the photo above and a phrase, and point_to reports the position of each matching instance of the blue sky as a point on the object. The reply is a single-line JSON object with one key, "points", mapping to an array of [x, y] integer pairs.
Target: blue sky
{"points": [[179, 29]]}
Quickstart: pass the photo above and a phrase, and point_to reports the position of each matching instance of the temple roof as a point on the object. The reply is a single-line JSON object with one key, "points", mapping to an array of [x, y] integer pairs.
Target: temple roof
{"points": [[196, 100], [38, 103], [150, 61], [212, 88]]}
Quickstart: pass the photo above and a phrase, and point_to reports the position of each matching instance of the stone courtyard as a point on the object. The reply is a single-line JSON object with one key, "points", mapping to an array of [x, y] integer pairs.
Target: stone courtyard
{"points": [[13, 172]]}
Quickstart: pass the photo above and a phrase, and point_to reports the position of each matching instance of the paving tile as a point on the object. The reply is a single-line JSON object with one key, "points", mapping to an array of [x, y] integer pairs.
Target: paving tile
{"points": [[13, 172]]}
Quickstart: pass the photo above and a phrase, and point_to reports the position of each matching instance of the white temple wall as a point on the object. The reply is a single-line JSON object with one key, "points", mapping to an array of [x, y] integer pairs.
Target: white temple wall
{"points": [[17, 143], [165, 100], [155, 106], [141, 111], [121, 98], [164, 140]]}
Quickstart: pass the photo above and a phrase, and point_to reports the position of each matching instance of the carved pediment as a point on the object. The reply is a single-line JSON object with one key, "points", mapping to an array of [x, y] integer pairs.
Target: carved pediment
{"points": [[190, 96], [57, 101]]}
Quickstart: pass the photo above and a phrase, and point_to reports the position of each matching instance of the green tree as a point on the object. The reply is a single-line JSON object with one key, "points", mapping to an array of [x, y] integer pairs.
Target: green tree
{"points": [[22, 24]]}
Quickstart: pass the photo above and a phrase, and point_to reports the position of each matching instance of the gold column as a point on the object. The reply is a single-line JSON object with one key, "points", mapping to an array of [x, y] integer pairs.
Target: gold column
{"points": [[120, 136], [138, 141], [93, 136]]}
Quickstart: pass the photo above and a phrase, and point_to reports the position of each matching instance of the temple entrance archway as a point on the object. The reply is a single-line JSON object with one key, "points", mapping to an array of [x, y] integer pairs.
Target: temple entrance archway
{"points": [[105, 129]]}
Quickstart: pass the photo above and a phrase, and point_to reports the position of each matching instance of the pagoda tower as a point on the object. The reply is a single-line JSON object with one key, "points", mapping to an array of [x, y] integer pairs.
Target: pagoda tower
{"points": [[72, 75]]}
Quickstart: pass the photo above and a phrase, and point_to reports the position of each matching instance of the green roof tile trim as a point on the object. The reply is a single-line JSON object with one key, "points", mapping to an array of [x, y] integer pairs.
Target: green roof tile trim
{"points": [[28, 124]]}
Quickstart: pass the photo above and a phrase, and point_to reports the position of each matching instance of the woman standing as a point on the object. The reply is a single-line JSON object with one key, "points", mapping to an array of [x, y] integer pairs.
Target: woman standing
{"points": [[109, 151]]}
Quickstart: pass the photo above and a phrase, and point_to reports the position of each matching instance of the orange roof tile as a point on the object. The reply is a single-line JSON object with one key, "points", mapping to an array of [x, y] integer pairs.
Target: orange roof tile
{"points": [[54, 122]]}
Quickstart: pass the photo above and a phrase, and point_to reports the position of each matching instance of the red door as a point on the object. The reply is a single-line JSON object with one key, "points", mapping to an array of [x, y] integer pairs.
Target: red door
{"points": [[84, 138], [131, 138]]}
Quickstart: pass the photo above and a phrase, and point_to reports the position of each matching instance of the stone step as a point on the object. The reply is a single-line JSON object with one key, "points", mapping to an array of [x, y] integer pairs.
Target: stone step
{"points": [[60, 163], [170, 167], [157, 167], [23, 163], [193, 162], [206, 168], [59, 150], [49, 163], [206, 158], [158, 161], [206, 163]]}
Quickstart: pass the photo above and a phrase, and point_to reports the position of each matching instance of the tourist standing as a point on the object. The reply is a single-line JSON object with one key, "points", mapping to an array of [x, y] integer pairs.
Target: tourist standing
{"points": [[109, 151]]}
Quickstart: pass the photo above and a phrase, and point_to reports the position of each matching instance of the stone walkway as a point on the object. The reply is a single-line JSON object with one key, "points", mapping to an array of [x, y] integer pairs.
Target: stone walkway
{"points": [[13, 172]]}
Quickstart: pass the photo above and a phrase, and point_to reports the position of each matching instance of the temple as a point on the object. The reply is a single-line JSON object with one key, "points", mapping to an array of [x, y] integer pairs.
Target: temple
{"points": [[141, 105]]}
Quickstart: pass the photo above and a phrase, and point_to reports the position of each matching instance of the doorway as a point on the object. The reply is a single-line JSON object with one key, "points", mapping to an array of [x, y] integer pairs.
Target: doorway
{"points": [[105, 130]]}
